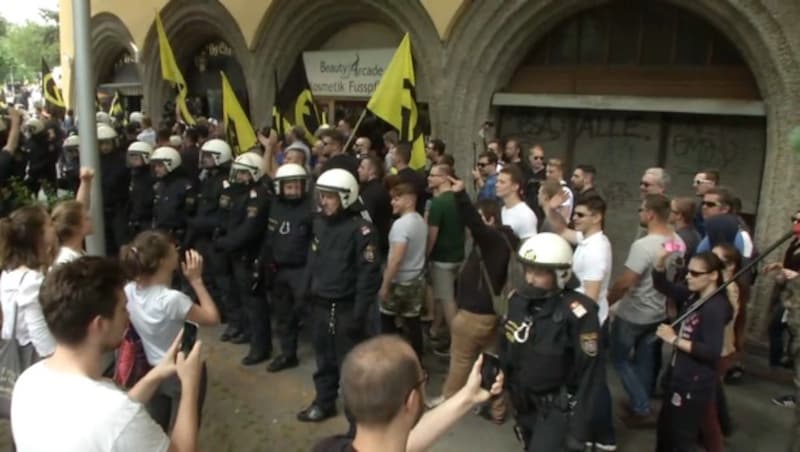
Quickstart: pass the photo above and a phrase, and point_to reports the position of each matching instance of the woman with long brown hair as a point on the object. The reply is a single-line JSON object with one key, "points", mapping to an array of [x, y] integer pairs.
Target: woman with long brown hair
{"points": [[27, 249], [72, 221]]}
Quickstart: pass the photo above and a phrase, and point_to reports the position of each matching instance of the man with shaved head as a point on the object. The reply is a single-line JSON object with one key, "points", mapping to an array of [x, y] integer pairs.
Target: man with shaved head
{"points": [[383, 387]]}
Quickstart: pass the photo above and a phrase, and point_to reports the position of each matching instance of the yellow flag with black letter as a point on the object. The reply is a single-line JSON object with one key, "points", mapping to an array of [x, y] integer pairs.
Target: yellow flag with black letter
{"points": [[238, 129], [279, 122], [51, 91], [395, 101], [171, 72], [116, 110]]}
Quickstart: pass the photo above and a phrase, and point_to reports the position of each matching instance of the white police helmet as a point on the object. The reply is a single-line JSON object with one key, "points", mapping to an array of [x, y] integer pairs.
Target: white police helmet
{"points": [[142, 149], [249, 161], [136, 117], [288, 172], [102, 117], [339, 181], [168, 156], [551, 251], [105, 132], [219, 150], [71, 141], [34, 126]]}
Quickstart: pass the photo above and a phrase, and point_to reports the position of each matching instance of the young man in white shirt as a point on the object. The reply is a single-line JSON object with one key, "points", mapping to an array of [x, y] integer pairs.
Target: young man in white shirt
{"points": [[591, 263], [63, 403], [515, 213], [555, 172]]}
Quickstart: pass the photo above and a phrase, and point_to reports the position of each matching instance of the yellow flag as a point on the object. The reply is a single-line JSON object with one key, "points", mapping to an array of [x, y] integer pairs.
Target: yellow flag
{"points": [[238, 130], [395, 101], [171, 72]]}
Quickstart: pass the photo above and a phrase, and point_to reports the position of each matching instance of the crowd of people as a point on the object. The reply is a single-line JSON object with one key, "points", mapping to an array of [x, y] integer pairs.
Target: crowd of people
{"points": [[335, 233]]}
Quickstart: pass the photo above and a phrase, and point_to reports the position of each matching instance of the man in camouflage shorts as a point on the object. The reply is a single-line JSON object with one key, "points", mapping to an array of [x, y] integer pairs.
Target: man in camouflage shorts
{"points": [[403, 287]]}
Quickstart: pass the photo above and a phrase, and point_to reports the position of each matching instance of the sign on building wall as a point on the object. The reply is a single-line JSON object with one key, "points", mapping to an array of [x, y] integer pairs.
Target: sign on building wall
{"points": [[346, 73]]}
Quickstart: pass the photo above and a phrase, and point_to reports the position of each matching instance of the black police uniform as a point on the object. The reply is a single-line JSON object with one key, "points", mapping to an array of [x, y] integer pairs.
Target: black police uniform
{"points": [[344, 270], [173, 203], [115, 183], [284, 256], [549, 353], [140, 200], [247, 210], [208, 219], [68, 171], [43, 156]]}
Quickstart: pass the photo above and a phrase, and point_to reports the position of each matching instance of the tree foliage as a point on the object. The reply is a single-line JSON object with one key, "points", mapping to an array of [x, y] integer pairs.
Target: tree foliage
{"points": [[22, 47]]}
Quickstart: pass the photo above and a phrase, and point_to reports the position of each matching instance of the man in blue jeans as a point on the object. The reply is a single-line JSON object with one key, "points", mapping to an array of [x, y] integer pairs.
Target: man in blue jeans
{"points": [[641, 309]]}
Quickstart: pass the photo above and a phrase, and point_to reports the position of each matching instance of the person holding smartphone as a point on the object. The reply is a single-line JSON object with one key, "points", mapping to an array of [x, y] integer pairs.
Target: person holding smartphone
{"points": [[158, 313]]}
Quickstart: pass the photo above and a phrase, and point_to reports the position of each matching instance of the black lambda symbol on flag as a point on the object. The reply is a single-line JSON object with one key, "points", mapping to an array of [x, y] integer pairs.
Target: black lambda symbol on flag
{"points": [[232, 138], [409, 132]]}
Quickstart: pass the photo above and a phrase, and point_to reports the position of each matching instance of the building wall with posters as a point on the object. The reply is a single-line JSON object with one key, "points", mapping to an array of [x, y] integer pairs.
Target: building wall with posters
{"points": [[677, 83]]}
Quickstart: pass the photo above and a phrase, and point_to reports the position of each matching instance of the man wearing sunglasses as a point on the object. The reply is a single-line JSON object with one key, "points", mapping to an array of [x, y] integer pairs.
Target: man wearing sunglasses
{"points": [[383, 386], [703, 182], [485, 176]]}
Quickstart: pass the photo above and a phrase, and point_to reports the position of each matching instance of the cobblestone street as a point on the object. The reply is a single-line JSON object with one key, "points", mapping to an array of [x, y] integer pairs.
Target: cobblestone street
{"points": [[250, 410]]}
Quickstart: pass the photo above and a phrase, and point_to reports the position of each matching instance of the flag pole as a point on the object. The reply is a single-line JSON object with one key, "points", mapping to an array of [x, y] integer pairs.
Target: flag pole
{"points": [[355, 129]]}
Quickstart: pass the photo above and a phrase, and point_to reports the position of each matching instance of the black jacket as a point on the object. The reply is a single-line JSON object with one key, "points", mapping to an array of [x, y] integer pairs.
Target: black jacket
{"points": [[289, 232], [377, 201], [473, 292], [558, 356], [115, 180], [696, 372], [173, 202], [140, 197], [247, 210], [344, 262], [208, 216]]}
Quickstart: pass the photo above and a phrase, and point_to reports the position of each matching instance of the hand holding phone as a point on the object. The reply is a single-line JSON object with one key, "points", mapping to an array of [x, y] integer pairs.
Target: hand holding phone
{"points": [[490, 369], [189, 337]]}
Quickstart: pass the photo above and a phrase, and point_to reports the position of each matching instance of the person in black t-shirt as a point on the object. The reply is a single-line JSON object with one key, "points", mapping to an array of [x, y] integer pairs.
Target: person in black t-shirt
{"points": [[402, 155], [333, 146], [376, 199]]}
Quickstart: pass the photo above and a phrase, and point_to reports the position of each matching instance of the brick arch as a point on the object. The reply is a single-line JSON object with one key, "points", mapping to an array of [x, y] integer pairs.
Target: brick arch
{"points": [[110, 38], [188, 25], [498, 38], [290, 27]]}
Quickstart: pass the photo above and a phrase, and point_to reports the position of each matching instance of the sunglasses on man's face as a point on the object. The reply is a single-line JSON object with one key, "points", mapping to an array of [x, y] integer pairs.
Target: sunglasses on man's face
{"points": [[710, 204], [695, 273]]}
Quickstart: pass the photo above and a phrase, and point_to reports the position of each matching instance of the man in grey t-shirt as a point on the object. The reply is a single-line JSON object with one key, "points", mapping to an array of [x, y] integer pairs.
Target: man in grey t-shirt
{"points": [[403, 287], [641, 308]]}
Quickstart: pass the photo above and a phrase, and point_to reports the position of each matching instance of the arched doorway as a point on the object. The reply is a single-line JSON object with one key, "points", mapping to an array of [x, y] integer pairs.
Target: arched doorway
{"points": [[628, 86], [205, 39], [116, 70]]}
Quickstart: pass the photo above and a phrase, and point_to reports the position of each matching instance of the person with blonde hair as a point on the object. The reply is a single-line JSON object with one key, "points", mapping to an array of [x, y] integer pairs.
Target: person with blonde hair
{"points": [[72, 221]]}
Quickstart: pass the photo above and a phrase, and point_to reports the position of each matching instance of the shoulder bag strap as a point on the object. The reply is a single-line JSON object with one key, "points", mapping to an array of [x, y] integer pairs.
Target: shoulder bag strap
{"points": [[14, 309], [485, 275]]}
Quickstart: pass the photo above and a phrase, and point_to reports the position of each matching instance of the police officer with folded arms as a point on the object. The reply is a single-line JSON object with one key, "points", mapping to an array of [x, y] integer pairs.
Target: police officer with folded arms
{"points": [[247, 204], [549, 348], [284, 256], [215, 159], [174, 197], [344, 278], [140, 190]]}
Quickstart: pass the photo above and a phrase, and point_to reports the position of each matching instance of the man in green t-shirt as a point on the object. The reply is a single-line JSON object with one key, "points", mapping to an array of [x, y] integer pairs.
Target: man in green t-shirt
{"points": [[445, 244]]}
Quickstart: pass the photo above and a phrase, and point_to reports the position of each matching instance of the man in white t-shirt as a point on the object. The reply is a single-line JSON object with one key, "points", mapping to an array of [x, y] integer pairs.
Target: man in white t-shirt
{"points": [[555, 172], [63, 403], [591, 264], [515, 213]]}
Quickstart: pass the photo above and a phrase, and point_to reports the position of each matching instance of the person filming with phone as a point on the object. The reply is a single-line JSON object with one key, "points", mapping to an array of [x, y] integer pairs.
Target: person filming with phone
{"points": [[549, 350], [63, 403], [158, 313]]}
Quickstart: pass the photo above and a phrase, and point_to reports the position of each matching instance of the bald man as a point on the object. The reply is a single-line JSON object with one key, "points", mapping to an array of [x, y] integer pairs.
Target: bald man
{"points": [[383, 387]]}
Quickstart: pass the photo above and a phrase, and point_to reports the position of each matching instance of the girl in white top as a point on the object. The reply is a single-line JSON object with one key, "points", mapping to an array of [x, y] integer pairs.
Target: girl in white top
{"points": [[158, 312], [27, 249], [72, 221]]}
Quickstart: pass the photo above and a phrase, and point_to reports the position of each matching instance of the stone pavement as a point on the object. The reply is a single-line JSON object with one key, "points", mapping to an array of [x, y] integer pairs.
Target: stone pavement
{"points": [[248, 409]]}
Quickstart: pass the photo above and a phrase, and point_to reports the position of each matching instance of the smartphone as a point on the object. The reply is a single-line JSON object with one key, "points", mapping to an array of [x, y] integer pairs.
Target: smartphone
{"points": [[189, 337], [673, 246], [490, 369]]}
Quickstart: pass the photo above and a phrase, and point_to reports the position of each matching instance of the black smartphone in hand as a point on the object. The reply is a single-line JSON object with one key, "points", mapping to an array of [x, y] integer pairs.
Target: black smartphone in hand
{"points": [[490, 369], [189, 337]]}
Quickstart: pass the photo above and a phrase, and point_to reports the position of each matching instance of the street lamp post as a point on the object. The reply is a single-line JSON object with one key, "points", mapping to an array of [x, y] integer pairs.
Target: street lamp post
{"points": [[87, 129]]}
